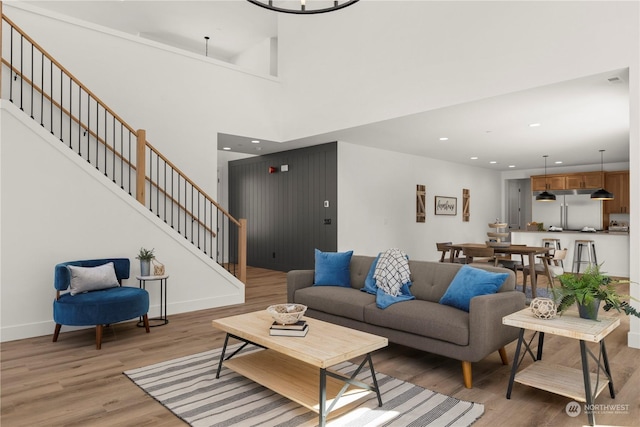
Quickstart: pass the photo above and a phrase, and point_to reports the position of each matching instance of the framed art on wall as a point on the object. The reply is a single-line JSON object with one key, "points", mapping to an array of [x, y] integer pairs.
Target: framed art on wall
{"points": [[446, 205]]}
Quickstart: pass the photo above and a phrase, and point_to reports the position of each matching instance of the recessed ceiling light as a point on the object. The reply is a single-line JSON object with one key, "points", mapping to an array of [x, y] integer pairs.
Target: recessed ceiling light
{"points": [[444, 138], [474, 158], [226, 148], [512, 166], [558, 162], [534, 125], [493, 162], [255, 141]]}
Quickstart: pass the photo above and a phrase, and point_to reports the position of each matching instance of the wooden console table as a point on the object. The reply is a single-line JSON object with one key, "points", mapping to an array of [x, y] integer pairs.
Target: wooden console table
{"points": [[580, 385]]}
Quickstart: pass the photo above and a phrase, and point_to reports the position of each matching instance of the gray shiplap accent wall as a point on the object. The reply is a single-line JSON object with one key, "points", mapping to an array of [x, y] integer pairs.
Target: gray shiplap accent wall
{"points": [[285, 210]]}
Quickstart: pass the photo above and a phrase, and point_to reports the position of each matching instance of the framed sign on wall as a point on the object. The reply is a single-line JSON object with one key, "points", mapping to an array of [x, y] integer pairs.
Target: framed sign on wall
{"points": [[446, 205]]}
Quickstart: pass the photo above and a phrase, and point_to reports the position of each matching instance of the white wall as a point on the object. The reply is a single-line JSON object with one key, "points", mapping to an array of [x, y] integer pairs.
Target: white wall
{"points": [[377, 202], [56, 207]]}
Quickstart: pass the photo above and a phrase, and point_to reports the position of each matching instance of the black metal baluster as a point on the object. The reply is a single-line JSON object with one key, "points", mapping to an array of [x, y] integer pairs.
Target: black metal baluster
{"points": [[204, 223], [129, 168], [192, 214], [11, 62], [86, 131], [105, 142], [157, 185], [165, 192], [178, 204], [79, 119], [61, 107], [42, 90], [97, 134], [150, 176], [121, 156], [21, 72], [51, 104], [172, 199], [185, 209], [70, 113], [113, 155], [31, 95]]}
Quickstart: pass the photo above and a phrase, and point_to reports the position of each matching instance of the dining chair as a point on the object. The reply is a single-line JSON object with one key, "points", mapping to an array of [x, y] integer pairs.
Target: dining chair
{"points": [[551, 266], [478, 255], [445, 249]]}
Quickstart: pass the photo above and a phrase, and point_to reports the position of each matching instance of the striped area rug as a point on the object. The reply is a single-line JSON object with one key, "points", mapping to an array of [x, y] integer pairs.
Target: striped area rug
{"points": [[187, 387]]}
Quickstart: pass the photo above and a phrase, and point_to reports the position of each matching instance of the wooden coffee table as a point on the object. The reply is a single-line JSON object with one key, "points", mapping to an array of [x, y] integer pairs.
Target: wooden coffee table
{"points": [[297, 367]]}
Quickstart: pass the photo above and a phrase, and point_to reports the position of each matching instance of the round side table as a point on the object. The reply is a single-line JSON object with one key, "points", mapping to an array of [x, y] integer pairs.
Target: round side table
{"points": [[162, 320]]}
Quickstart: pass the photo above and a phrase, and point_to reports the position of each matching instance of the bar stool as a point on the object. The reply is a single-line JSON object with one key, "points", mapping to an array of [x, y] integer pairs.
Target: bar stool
{"points": [[590, 246], [553, 243]]}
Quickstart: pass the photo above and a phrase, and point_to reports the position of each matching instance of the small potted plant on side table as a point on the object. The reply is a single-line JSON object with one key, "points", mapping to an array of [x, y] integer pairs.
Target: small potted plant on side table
{"points": [[588, 290], [145, 256]]}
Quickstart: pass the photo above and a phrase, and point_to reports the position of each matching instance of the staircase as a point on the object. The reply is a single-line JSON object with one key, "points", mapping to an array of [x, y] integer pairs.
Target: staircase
{"points": [[43, 89]]}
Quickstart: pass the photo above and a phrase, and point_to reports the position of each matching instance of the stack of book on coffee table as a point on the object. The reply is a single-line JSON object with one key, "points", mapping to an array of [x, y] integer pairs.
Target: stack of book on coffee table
{"points": [[298, 329]]}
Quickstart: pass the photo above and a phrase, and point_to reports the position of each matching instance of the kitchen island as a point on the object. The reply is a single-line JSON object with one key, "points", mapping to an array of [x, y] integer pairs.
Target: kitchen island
{"points": [[612, 248]]}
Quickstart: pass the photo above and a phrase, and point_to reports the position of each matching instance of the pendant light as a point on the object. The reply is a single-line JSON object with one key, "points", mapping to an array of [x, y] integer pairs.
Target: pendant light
{"points": [[301, 8], [545, 196], [601, 194]]}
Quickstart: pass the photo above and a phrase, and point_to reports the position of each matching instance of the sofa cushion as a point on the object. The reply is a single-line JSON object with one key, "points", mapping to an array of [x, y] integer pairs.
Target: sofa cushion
{"points": [[470, 282], [86, 279], [424, 318], [346, 302], [332, 268]]}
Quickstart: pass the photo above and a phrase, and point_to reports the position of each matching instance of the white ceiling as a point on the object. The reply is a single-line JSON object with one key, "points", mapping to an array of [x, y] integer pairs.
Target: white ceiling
{"points": [[577, 118]]}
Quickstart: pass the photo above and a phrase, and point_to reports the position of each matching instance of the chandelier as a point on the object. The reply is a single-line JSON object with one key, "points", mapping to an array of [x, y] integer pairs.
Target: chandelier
{"points": [[300, 7]]}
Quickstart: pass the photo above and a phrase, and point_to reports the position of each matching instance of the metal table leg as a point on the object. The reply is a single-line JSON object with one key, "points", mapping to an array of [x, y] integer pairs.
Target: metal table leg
{"points": [[587, 383]]}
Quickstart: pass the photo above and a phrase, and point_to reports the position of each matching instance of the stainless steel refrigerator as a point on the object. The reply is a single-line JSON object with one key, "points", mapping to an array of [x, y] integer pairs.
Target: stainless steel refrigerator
{"points": [[569, 212]]}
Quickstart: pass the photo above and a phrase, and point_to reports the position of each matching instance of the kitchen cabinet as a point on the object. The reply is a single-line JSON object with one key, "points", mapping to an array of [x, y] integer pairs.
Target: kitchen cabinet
{"points": [[584, 180], [550, 182], [570, 181], [618, 184]]}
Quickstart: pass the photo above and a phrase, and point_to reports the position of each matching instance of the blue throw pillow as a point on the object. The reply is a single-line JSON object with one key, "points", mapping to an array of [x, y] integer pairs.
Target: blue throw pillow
{"points": [[470, 282], [332, 269]]}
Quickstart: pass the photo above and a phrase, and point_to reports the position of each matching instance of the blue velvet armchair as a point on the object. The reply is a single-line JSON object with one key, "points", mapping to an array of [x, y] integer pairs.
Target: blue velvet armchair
{"points": [[90, 292]]}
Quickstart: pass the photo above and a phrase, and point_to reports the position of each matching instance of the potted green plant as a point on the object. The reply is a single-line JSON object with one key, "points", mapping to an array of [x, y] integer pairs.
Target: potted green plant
{"points": [[588, 290], [145, 256]]}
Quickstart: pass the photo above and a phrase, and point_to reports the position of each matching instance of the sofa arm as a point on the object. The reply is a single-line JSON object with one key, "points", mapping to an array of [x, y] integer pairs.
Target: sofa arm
{"points": [[486, 331], [298, 279]]}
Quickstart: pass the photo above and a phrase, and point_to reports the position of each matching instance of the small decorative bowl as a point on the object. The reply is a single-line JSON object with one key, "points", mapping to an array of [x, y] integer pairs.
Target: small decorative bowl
{"points": [[287, 314]]}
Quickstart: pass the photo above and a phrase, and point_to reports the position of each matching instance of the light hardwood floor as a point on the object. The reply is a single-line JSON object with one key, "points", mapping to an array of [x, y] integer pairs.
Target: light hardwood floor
{"points": [[71, 383]]}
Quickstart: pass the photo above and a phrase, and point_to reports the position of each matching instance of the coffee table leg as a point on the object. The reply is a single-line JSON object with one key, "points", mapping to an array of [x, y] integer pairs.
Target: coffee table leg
{"points": [[224, 349], [587, 383], [375, 380], [605, 359], [322, 416], [516, 363]]}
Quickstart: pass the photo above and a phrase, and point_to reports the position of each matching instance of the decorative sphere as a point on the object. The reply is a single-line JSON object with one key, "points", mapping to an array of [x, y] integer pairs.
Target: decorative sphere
{"points": [[543, 308]]}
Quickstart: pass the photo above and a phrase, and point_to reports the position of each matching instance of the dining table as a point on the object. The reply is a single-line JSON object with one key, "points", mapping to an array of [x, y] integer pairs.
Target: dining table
{"points": [[530, 251]]}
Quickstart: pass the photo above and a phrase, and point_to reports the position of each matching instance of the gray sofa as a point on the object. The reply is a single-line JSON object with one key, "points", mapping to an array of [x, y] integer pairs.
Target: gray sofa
{"points": [[423, 323]]}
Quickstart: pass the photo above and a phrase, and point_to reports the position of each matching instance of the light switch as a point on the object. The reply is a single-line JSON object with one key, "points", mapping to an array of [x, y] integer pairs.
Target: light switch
{"points": [[326, 203]]}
